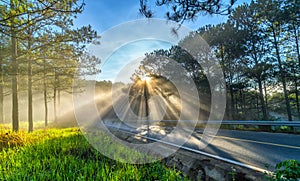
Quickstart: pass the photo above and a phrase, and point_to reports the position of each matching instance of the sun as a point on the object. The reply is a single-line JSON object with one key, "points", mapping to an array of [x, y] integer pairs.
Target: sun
{"points": [[146, 78]]}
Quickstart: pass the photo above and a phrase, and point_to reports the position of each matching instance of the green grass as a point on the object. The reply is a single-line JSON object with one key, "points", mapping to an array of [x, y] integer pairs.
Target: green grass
{"points": [[23, 125], [64, 154]]}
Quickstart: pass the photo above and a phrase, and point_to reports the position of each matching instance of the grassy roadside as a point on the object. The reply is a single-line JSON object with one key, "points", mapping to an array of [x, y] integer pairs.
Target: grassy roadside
{"points": [[64, 154]]}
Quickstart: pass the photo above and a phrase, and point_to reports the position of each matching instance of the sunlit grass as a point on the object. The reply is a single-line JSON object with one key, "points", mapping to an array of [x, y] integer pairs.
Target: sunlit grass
{"points": [[23, 125], [64, 154]]}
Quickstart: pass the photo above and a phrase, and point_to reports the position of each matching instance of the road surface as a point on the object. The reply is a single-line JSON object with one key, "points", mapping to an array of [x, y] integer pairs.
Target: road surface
{"points": [[259, 149]]}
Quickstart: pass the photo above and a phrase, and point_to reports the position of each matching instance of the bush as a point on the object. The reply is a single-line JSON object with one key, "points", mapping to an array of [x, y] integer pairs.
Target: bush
{"points": [[286, 170]]}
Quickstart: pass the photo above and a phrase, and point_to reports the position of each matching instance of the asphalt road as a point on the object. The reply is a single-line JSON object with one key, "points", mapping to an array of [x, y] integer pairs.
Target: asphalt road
{"points": [[254, 148], [259, 149]]}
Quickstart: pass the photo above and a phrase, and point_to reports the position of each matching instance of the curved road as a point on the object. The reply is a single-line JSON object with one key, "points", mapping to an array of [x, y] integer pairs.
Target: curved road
{"points": [[259, 149]]}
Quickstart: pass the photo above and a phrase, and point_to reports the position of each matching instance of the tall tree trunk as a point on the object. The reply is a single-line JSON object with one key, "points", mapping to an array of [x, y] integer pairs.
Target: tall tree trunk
{"points": [[242, 103], [296, 90], [228, 111], [262, 99], [231, 92], [15, 106], [261, 94], [236, 103], [297, 42], [228, 107], [232, 102], [45, 94], [297, 95], [58, 98], [298, 56], [146, 104], [54, 105], [1, 93], [30, 109], [282, 74], [15, 72], [257, 103], [266, 98], [54, 96]]}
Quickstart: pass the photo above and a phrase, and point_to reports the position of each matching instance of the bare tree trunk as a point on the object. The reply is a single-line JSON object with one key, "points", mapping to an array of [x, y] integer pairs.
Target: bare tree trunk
{"points": [[282, 74], [244, 102], [259, 81], [54, 104], [296, 89], [266, 99], [15, 106], [262, 100], [236, 103], [297, 95], [297, 43], [1, 91], [257, 103], [54, 96], [58, 98], [241, 98], [15, 67], [45, 94], [228, 109], [146, 105], [298, 56], [30, 108], [232, 102]]}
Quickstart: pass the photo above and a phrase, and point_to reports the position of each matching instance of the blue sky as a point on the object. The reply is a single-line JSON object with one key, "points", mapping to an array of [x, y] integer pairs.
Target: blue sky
{"points": [[132, 51], [105, 15]]}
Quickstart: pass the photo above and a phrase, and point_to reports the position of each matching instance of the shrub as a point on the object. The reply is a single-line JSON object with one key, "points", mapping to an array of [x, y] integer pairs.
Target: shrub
{"points": [[286, 170]]}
